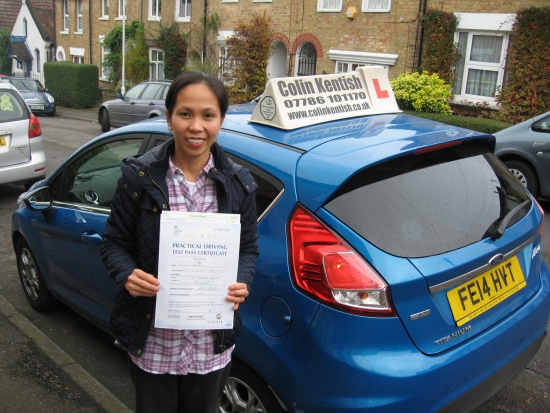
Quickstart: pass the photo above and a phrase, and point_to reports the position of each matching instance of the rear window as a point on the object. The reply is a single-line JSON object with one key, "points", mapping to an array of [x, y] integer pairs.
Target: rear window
{"points": [[12, 106], [423, 205]]}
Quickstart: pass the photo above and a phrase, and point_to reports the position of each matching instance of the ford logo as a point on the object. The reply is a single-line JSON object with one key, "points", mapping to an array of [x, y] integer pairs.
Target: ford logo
{"points": [[497, 259]]}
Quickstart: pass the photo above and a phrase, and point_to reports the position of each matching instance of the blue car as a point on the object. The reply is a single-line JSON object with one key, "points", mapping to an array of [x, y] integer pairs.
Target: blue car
{"points": [[400, 264], [38, 98]]}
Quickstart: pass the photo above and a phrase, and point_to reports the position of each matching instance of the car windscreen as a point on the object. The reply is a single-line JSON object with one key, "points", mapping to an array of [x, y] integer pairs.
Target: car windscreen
{"points": [[428, 204], [28, 85]]}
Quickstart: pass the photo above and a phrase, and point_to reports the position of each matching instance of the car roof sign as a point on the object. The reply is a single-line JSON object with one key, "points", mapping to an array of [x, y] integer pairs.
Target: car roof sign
{"points": [[295, 102]]}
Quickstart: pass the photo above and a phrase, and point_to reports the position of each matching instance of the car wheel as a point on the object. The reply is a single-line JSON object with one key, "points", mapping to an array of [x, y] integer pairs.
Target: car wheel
{"points": [[525, 174], [51, 114], [105, 122], [246, 392], [31, 278]]}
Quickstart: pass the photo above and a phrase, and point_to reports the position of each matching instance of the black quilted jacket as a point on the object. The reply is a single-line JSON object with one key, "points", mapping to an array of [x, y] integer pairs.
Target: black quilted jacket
{"points": [[132, 236]]}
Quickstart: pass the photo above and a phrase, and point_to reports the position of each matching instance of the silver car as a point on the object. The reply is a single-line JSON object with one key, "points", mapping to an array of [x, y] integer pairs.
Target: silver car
{"points": [[22, 154], [143, 101], [525, 150]]}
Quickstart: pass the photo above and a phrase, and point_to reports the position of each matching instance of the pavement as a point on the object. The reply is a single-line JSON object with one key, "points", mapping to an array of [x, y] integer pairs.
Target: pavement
{"points": [[36, 374]]}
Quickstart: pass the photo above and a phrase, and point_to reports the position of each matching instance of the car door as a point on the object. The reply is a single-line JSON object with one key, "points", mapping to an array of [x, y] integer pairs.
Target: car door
{"points": [[150, 99], [74, 227], [121, 110]]}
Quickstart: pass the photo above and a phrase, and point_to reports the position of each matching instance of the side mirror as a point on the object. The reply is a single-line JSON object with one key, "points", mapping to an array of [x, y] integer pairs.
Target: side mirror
{"points": [[48, 89], [119, 95], [39, 200]]}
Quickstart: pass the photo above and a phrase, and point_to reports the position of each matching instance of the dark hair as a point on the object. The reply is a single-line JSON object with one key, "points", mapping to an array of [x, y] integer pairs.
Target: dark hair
{"points": [[192, 78]]}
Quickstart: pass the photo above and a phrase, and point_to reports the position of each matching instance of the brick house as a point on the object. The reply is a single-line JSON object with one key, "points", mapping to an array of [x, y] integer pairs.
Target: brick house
{"points": [[313, 36]]}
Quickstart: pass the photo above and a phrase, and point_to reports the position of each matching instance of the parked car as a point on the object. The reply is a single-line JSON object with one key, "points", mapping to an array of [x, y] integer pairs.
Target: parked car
{"points": [[399, 269], [143, 101], [525, 150], [22, 154], [38, 98]]}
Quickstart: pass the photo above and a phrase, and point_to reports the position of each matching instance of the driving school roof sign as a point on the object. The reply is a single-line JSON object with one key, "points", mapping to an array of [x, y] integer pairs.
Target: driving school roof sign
{"points": [[294, 102]]}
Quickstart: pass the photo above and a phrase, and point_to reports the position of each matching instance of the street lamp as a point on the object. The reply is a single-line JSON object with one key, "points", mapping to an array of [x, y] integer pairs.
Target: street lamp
{"points": [[122, 88]]}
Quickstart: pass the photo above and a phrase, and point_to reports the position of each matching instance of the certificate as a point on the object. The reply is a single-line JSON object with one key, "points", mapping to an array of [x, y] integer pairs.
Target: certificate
{"points": [[198, 260]]}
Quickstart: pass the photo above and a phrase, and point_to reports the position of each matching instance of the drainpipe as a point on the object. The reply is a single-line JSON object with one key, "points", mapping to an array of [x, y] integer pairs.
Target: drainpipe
{"points": [[204, 31], [90, 28], [421, 12]]}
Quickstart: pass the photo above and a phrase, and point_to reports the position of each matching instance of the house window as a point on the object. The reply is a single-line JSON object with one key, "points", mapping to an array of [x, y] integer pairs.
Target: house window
{"points": [[227, 66], [104, 8], [183, 10], [154, 9], [79, 15], [376, 5], [65, 15], [121, 8], [329, 5], [78, 59], [480, 70], [25, 27], [105, 70], [38, 65], [156, 64], [346, 67]]}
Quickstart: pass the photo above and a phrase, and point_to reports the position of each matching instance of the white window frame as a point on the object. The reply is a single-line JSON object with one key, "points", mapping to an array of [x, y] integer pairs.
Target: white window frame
{"points": [[375, 6], [484, 24], [337, 8], [104, 10], [120, 10], [78, 59], [79, 23], [155, 7], [65, 16], [104, 52], [351, 60], [188, 4], [154, 65], [37, 58]]}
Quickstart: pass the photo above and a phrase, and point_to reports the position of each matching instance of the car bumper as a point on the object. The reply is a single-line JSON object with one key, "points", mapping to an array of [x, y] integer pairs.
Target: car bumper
{"points": [[370, 365], [28, 172]]}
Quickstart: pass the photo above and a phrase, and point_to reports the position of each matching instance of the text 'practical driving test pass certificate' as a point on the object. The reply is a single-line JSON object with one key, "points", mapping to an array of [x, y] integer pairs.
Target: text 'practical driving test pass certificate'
{"points": [[198, 260]]}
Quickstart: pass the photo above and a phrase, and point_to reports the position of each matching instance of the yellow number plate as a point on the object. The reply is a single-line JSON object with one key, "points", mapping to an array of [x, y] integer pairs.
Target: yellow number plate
{"points": [[3, 141], [478, 295]]}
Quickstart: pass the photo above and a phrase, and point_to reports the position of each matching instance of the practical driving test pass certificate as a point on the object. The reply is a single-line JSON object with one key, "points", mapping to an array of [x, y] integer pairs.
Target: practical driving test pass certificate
{"points": [[198, 260]]}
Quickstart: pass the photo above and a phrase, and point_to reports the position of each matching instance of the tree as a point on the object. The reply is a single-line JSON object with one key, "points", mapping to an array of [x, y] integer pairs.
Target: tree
{"points": [[249, 46], [113, 41], [137, 58], [5, 62], [174, 47], [202, 45]]}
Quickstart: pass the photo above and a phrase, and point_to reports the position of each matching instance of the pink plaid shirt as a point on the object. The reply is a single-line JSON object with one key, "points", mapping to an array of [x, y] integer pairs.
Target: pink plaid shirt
{"points": [[184, 351]]}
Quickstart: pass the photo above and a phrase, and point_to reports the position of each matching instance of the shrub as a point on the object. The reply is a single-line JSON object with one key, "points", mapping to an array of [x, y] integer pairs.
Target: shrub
{"points": [[73, 85], [478, 124], [249, 47], [440, 51], [525, 93], [422, 93]]}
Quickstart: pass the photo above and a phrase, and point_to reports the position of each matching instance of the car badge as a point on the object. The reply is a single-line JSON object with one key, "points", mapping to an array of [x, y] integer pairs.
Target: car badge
{"points": [[497, 259]]}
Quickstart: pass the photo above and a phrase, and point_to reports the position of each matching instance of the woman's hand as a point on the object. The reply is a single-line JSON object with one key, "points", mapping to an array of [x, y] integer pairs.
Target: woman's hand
{"points": [[237, 294], [142, 284]]}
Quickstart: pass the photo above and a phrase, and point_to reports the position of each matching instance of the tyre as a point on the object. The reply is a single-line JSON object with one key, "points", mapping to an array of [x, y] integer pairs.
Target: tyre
{"points": [[31, 278], [52, 113], [525, 174], [105, 121], [246, 392]]}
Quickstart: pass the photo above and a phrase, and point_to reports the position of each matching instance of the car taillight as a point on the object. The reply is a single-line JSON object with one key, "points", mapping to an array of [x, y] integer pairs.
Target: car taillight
{"points": [[34, 127], [542, 213], [324, 267]]}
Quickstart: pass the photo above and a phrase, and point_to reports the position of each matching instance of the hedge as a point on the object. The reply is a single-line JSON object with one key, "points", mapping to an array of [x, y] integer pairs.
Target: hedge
{"points": [[478, 124], [72, 85]]}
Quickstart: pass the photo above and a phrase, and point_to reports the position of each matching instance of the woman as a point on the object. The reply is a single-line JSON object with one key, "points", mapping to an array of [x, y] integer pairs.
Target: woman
{"points": [[175, 370]]}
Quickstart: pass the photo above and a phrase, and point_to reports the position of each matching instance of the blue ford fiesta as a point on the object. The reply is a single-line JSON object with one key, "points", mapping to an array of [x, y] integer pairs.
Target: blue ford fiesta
{"points": [[400, 264]]}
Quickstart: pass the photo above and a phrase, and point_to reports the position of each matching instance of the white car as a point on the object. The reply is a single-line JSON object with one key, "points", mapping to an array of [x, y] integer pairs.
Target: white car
{"points": [[22, 154]]}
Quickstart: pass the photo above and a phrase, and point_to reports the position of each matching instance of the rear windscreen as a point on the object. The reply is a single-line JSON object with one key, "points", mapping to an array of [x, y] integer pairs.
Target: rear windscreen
{"points": [[423, 205], [12, 106]]}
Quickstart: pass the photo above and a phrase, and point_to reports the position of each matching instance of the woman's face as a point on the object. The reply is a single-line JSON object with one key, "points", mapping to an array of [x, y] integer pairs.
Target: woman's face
{"points": [[196, 121]]}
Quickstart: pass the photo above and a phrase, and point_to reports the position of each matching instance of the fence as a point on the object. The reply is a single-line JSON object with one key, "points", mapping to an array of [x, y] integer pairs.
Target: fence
{"points": [[39, 76]]}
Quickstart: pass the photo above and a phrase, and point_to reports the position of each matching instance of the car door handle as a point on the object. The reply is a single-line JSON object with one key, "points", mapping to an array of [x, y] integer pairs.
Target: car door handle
{"points": [[91, 237], [151, 103]]}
